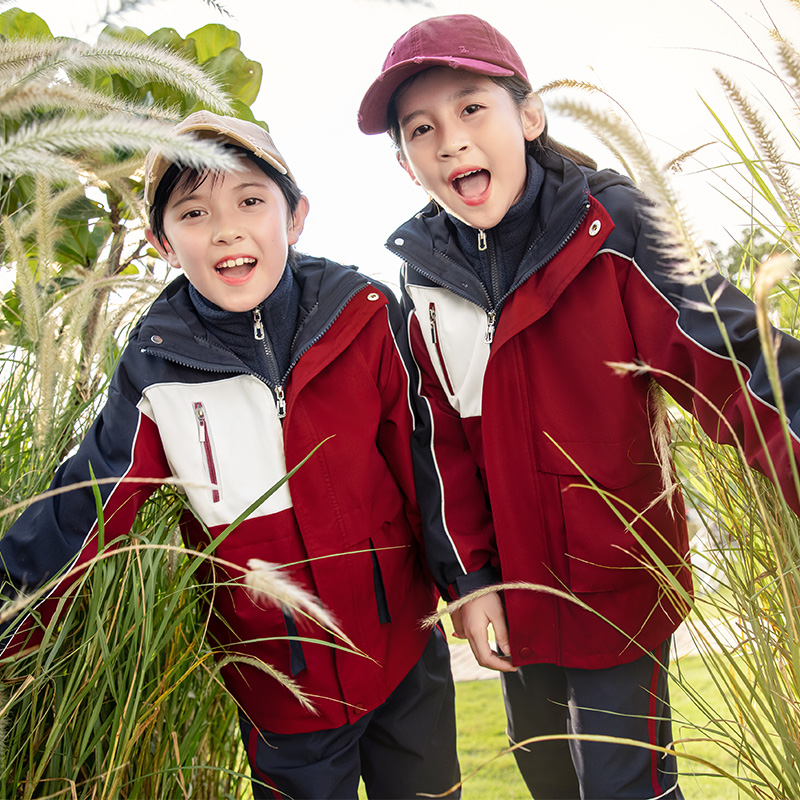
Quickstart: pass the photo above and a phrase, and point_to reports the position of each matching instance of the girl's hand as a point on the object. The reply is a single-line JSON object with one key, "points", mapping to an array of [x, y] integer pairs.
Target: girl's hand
{"points": [[476, 616], [458, 625]]}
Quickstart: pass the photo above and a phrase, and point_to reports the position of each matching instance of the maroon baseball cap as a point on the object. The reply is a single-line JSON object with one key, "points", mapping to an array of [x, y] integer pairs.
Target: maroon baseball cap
{"points": [[461, 41]]}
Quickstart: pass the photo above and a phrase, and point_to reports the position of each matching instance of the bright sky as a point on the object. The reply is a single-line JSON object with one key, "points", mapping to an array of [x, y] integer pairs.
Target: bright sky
{"points": [[319, 56]]}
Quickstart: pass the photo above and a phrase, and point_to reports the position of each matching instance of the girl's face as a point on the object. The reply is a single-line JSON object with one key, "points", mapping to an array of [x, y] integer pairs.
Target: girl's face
{"points": [[231, 236], [463, 138]]}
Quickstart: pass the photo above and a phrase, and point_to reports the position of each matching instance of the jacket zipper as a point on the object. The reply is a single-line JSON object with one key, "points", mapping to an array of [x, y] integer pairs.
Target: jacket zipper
{"points": [[260, 335], [280, 401], [435, 340], [205, 442], [488, 309], [491, 312]]}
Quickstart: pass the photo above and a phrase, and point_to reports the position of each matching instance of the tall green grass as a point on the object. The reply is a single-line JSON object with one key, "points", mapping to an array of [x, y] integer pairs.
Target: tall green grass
{"points": [[123, 698]]}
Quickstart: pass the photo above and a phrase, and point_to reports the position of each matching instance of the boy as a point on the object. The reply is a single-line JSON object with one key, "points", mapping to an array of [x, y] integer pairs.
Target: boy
{"points": [[238, 371]]}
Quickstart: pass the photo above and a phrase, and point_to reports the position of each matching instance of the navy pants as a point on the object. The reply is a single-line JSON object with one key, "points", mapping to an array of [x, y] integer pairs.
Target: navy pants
{"points": [[402, 748], [629, 701]]}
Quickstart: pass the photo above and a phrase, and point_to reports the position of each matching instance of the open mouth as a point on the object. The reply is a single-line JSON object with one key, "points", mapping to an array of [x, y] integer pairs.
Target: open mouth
{"points": [[472, 185], [235, 268]]}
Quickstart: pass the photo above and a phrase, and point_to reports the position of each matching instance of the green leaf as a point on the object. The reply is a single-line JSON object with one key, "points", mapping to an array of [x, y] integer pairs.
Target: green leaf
{"points": [[128, 33], [81, 209], [81, 244], [9, 305], [18, 24], [243, 111], [213, 39], [167, 37], [240, 75]]}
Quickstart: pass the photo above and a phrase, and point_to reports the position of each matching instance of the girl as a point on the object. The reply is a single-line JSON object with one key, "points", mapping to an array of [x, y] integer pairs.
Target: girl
{"points": [[527, 275]]}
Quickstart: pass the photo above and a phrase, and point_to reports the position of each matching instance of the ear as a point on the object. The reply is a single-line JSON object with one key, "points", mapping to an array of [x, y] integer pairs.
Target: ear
{"points": [[404, 164], [298, 220], [533, 117], [164, 250]]}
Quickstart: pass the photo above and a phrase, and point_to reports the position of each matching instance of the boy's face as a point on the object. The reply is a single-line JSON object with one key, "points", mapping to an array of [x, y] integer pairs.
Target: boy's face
{"points": [[231, 235], [463, 140]]}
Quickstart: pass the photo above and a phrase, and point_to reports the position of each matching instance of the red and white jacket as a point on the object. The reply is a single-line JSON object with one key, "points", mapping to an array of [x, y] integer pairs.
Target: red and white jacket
{"points": [[534, 453], [181, 405]]}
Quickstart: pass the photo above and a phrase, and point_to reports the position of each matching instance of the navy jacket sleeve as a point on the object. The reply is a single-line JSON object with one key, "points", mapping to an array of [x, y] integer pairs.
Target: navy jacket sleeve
{"points": [[700, 335], [54, 537]]}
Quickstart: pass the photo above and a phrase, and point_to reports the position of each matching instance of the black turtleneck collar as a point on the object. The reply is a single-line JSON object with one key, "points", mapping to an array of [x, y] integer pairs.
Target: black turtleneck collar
{"points": [[507, 242], [267, 357]]}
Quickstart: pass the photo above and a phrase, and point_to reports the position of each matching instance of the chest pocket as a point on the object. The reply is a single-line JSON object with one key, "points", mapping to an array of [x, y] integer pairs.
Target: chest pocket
{"points": [[454, 331], [224, 441]]}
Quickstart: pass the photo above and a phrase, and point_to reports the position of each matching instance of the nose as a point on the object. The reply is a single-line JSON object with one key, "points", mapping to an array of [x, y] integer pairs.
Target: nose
{"points": [[452, 142], [226, 230]]}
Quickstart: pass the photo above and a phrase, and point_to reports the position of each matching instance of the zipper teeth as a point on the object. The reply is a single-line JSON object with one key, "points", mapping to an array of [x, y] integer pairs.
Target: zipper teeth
{"points": [[244, 370], [439, 353], [324, 330], [202, 421], [493, 272], [192, 365], [268, 347], [437, 280]]}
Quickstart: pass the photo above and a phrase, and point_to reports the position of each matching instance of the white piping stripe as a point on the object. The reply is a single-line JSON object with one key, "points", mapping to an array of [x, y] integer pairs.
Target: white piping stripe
{"points": [[403, 364], [433, 452], [688, 336]]}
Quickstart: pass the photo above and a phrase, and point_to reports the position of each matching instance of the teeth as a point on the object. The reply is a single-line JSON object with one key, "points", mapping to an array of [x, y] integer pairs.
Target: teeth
{"points": [[235, 262]]}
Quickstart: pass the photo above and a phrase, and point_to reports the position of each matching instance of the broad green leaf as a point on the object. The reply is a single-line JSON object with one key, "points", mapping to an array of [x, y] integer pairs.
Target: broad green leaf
{"points": [[167, 37], [241, 76], [9, 306], [18, 24], [128, 33], [213, 39], [243, 111], [81, 209]]}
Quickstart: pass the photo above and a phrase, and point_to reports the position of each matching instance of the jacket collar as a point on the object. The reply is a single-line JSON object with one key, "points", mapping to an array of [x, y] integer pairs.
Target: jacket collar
{"points": [[428, 243], [172, 328]]}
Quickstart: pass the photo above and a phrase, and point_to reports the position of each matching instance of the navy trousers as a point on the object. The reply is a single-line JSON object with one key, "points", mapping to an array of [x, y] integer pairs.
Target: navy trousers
{"points": [[404, 747], [628, 701]]}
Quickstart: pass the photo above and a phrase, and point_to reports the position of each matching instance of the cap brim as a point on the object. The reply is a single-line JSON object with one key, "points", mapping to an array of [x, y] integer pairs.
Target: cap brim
{"points": [[372, 112], [206, 125]]}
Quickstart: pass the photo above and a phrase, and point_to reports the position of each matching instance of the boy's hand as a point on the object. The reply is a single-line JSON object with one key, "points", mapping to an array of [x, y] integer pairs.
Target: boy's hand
{"points": [[476, 616]]}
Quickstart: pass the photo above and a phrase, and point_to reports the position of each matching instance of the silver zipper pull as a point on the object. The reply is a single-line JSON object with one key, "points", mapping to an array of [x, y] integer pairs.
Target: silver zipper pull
{"points": [[481, 240], [258, 326], [280, 401], [491, 316], [432, 315], [201, 421]]}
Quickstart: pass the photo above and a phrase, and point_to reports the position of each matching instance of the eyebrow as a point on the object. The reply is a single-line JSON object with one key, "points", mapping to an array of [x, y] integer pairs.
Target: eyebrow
{"points": [[189, 198], [464, 91]]}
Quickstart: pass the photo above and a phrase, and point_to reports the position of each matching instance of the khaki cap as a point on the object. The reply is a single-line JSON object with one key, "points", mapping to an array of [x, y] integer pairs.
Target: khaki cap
{"points": [[207, 125]]}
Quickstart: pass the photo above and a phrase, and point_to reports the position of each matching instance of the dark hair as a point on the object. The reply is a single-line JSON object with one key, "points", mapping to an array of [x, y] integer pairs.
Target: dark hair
{"points": [[519, 89], [179, 176]]}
